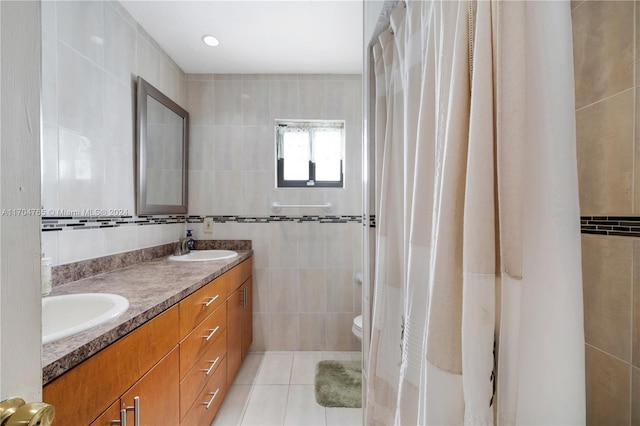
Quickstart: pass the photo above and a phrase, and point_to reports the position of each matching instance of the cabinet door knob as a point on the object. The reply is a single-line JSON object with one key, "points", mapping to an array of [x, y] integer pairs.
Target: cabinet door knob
{"points": [[213, 364], [211, 300], [207, 338], [213, 396]]}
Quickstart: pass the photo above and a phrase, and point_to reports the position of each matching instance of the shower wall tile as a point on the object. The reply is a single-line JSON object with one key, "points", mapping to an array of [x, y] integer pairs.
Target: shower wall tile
{"points": [[635, 340], [608, 384], [603, 41], [604, 133], [607, 278], [49, 96], [635, 396]]}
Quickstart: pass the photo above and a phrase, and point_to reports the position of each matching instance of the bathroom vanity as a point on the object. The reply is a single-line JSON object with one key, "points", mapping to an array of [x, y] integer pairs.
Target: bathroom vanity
{"points": [[171, 357]]}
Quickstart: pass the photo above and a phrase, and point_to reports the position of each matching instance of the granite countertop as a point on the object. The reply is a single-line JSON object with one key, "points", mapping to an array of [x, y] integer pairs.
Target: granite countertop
{"points": [[151, 288]]}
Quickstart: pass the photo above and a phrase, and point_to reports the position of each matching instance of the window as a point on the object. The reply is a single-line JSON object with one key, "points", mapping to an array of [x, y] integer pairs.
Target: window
{"points": [[310, 153]]}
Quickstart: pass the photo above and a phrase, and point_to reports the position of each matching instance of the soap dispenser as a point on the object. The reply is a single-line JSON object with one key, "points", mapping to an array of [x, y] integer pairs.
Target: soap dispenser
{"points": [[190, 240]]}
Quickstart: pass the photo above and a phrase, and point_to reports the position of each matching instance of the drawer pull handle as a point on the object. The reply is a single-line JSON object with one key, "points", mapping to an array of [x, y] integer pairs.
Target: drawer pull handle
{"points": [[211, 300], [136, 411], [207, 338], [213, 364], [123, 418], [213, 396]]}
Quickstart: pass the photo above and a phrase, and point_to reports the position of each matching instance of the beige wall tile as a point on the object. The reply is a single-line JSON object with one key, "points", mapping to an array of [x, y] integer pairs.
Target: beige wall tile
{"points": [[575, 3], [313, 329], [339, 290], [312, 291], [607, 279], [284, 332], [603, 49], [604, 134], [636, 303], [339, 335], [261, 332], [608, 383], [635, 396], [284, 290]]}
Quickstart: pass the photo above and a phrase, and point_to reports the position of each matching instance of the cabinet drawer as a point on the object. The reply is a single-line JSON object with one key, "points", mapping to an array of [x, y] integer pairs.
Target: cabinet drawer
{"points": [[202, 371], [200, 304], [238, 275], [199, 340], [206, 405]]}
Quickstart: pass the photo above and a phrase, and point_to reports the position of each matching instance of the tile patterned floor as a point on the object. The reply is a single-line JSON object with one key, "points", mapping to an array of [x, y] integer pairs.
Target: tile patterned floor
{"points": [[276, 388]]}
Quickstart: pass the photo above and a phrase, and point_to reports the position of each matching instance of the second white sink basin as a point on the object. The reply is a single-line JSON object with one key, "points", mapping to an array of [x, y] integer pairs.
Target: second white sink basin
{"points": [[204, 255], [64, 316]]}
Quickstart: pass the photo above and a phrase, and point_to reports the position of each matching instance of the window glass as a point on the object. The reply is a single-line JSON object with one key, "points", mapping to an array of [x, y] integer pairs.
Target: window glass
{"points": [[310, 153], [296, 149]]}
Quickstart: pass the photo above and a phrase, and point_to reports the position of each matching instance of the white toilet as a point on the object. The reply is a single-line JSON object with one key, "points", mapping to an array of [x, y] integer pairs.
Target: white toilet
{"points": [[357, 327]]}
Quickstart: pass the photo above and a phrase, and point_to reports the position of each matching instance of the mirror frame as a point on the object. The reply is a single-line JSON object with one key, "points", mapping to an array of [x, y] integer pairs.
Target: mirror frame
{"points": [[144, 89]]}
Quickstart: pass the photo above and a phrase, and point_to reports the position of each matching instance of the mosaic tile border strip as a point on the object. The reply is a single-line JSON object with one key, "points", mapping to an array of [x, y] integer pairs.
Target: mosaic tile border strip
{"points": [[270, 219], [621, 226], [65, 223], [68, 223]]}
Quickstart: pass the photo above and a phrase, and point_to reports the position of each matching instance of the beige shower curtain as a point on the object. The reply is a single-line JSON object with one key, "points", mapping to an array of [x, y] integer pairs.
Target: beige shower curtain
{"points": [[477, 315]]}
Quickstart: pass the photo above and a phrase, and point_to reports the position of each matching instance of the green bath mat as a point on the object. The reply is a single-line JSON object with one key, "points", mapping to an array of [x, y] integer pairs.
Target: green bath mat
{"points": [[339, 384]]}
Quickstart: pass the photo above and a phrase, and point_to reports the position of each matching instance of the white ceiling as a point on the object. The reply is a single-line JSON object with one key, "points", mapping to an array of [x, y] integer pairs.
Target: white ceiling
{"points": [[267, 36]]}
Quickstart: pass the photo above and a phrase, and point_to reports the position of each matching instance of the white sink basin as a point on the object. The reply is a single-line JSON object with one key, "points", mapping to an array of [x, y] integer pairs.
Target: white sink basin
{"points": [[204, 255], [64, 316]]}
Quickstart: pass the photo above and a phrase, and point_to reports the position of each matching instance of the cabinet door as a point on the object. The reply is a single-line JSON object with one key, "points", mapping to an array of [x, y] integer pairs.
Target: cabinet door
{"points": [[234, 332], [247, 317], [158, 393], [108, 418]]}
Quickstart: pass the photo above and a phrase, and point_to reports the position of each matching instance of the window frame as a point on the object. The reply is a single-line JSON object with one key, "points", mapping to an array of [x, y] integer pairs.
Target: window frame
{"points": [[281, 182]]}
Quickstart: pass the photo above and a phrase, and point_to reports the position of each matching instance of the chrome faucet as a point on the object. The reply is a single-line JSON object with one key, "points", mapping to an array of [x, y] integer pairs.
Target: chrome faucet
{"points": [[183, 246]]}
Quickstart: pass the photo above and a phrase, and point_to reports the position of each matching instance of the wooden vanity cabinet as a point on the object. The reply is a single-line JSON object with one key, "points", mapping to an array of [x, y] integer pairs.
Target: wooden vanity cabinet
{"points": [[84, 392], [179, 364], [239, 319]]}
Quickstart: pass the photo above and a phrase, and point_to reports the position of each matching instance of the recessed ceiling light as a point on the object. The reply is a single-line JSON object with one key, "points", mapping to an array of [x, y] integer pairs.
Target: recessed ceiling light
{"points": [[210, 40]]}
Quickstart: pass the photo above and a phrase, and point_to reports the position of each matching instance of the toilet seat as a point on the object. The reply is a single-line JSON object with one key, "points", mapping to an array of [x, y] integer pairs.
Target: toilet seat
{"points": [[357, 327]]}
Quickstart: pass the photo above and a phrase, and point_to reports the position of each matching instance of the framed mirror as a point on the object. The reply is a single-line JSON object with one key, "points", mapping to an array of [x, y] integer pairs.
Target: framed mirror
{"points": [[162, 141]]}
